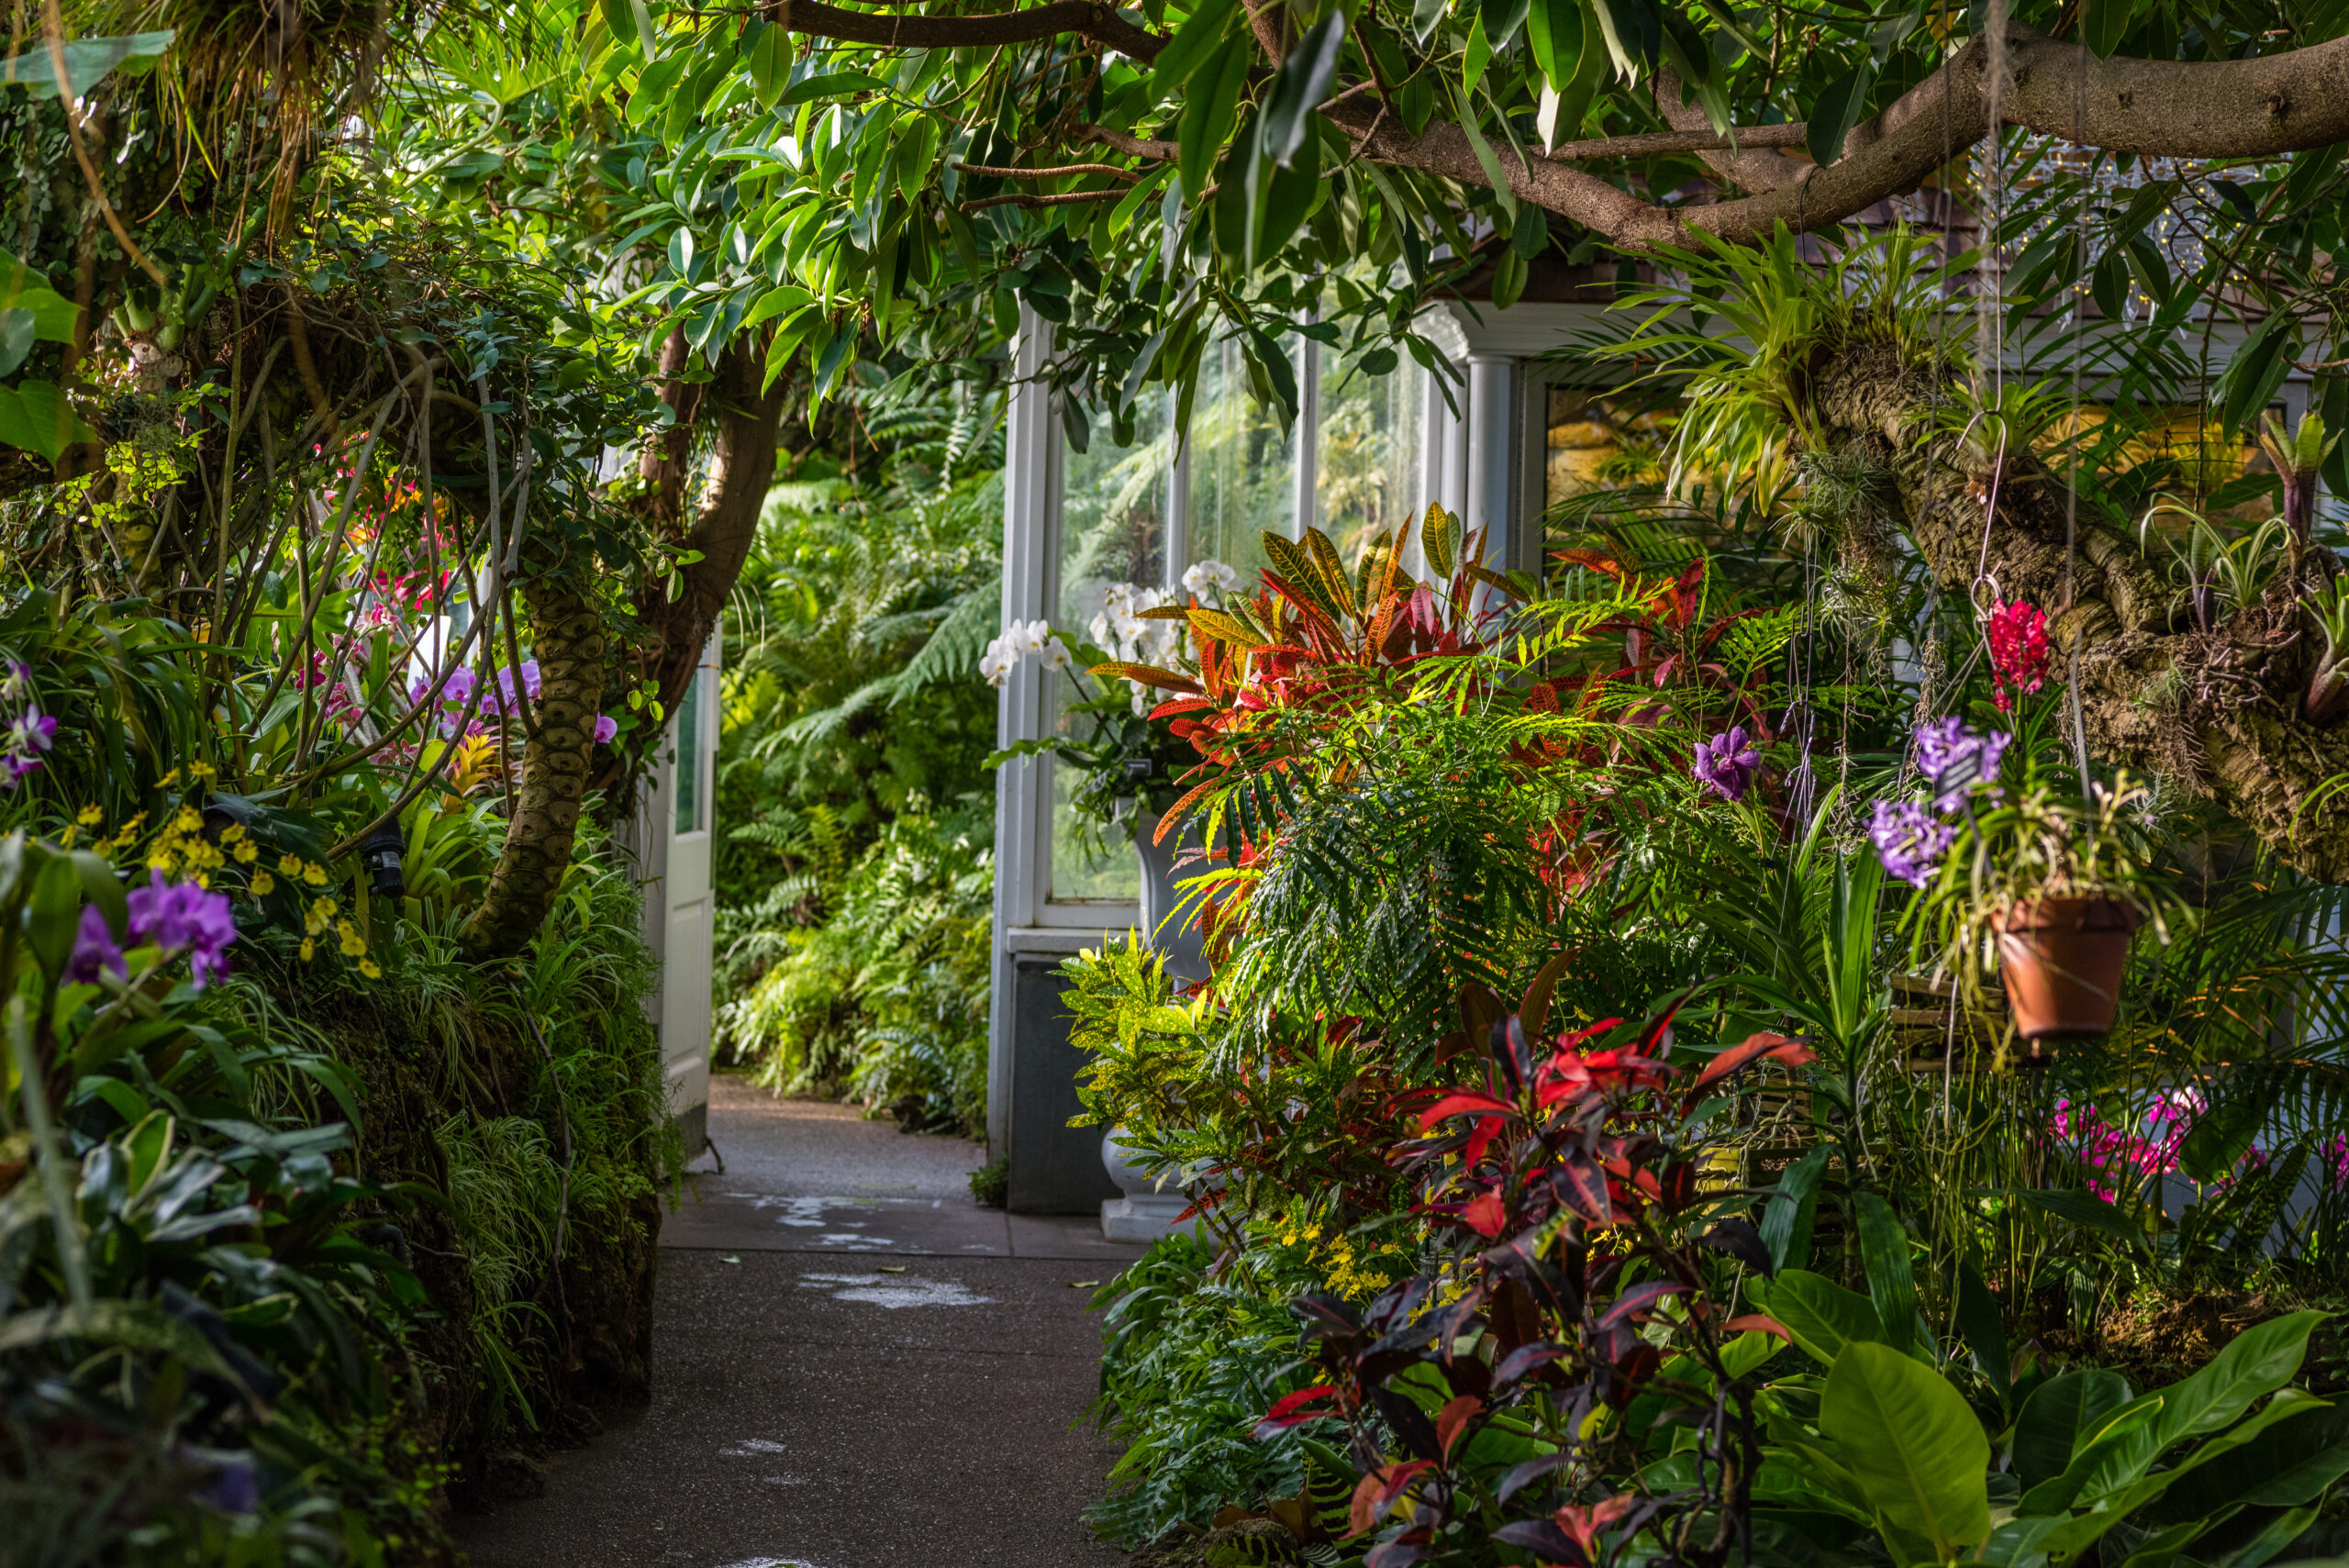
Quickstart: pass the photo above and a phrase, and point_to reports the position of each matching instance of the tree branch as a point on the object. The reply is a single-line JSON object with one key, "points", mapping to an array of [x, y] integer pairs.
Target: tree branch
{"points": [[1095, 23], [1062, 199], [1131, 146], [1688, 140], [2234, 108], [1111, 170], [1756, 171]]}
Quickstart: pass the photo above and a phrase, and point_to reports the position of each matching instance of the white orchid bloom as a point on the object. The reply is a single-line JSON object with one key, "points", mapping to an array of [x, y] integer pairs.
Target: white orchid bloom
{"points": [[997, 662], [1210, 577]]}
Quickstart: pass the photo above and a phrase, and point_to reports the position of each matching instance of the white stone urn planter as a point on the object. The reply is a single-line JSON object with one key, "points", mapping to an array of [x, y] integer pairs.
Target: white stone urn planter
{"points": [[1147, 1211]]}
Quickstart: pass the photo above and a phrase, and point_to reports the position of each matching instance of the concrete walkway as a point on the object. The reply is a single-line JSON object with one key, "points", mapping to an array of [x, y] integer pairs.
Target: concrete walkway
{"points": [[854, 1366]]}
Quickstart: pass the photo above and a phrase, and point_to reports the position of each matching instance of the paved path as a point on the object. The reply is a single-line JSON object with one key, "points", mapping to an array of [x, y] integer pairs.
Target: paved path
{"points": [[855, 1367]]}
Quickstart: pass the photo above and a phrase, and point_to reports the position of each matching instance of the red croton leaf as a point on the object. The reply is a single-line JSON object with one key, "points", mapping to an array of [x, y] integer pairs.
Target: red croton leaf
{"points": [[1464, 1102], [1585, 1523], [1377, 1492], [1290, 1411], [1639, 1299], [1484, 1214], [1757, 1323], [1750, 1050], [1453, 1418]]}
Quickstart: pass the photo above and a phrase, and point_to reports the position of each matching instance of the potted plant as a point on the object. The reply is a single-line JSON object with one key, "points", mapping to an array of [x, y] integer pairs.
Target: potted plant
{"points": [[2047, 885], [1125, 762], [2054, 888]]}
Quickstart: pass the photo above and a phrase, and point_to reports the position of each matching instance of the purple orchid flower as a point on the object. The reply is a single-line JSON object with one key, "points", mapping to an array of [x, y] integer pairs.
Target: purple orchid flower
{"points": [[1727, 762], [606, 728], [1909, 840], [22, 743], [94, 950], [185, 916], [1954, 759]]}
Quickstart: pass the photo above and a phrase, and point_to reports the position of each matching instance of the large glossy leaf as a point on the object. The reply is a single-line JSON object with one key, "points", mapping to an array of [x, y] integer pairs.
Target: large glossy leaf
{"points": [[1303, 82], [1786, 1218], [1209, 110], [35, 416], [1193, 45], [1837, 110], [1825, 1318], [2059, 1412], [53, 316], [87, 62], [1915, 1447], [1884, 1250], [2102, 23], [2285, 1466], [1979, 1324], [2256, 1363]]}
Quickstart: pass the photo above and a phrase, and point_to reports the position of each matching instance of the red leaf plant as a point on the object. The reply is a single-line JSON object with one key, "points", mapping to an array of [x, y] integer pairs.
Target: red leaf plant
{"points": [[1512, 1394]]}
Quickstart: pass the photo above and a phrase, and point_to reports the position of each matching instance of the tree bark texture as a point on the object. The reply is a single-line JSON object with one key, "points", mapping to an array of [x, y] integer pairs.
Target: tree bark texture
{"points": [[748, 420], [2220, 712], [568, 638]]}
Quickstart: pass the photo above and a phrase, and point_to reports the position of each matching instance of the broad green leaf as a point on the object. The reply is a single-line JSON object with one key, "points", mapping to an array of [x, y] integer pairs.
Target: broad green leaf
{"points": [[16, 329], [620, 18], [831, 84], [2255, 1362], [1633, 33], [87, 62], [35, 416], [2286, 1465], [1509, 275], [1836, 110], [21, 288], [1289, 197], [2058, 1415], [1488, 163], [1554, 30], [1884, 1251], [1824, 1317], [1303, 82], [1208, 116], [2103, 22], [1191, 45], [1978, 1323], [653, 88], [1474, 55], [1786, 1218], [785, 296], [769, 65], [1502, 18], [1426, 17], [1915, 1447]]}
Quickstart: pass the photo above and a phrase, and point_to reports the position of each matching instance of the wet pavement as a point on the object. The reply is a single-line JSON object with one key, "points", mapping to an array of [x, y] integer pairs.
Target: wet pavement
{"points": [[854, 1366]]}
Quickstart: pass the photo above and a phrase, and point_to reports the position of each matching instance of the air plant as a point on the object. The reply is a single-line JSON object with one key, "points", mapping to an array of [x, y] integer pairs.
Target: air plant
{"points": [[2214, 569], [2296, 457], [2329, 682]]}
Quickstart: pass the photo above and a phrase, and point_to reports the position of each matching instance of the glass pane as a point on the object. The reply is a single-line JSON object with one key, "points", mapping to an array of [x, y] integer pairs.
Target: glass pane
{"points": [[1244, 465], [688, 771], [1599, 441], [1114, 507], [1367, 470]]}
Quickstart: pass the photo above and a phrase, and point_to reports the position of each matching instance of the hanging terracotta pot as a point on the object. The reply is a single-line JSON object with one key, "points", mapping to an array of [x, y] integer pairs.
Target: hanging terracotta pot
{"points": [[2062, 960]]}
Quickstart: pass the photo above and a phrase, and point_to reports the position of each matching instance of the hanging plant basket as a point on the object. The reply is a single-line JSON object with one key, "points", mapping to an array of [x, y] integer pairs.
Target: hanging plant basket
{"points": [[2062, 960]]}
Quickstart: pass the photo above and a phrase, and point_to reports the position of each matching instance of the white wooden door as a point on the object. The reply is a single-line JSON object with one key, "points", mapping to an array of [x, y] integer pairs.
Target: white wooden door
{"points": [[674, 832]]}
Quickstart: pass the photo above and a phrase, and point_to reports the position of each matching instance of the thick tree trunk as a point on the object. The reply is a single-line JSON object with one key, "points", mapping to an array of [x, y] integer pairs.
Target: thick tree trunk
{"points": [[748, 420], [2219, 711], [567, 630]]}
